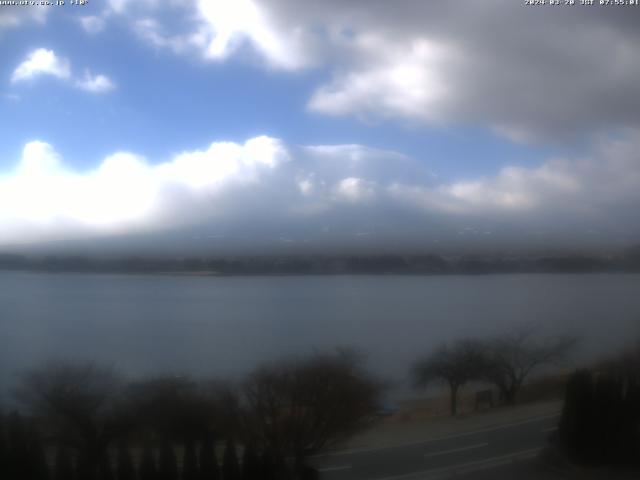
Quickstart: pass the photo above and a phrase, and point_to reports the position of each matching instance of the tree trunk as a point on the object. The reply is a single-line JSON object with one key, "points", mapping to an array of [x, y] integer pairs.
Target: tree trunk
{"points": [[509, 393]]}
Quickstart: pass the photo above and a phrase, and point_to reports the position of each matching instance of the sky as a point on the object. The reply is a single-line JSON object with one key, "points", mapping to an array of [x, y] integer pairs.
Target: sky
{"points": [[297, 124]]}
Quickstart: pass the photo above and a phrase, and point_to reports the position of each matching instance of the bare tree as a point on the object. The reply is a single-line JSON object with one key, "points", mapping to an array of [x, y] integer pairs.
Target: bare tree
{"points": [[296, 409], [454, 364], [510, 358], [80, 404]]}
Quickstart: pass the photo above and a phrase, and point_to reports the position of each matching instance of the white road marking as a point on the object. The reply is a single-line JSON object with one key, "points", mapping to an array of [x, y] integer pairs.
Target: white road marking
{"points": [[334, 469], [437, 439], [446, 472], [454, 450], [547, 430]]}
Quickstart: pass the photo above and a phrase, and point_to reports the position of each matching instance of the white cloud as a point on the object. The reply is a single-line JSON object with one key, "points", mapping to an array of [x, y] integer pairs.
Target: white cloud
{"points": [[41, 62], [602, 189], [124, 6], [95, 83], [228, 24], [220, 29], [151, 31], [45, 62], [403, 82], [119, 6], [355, 190], [343, 189], [14, 16], [124, 192], [92, 24]]}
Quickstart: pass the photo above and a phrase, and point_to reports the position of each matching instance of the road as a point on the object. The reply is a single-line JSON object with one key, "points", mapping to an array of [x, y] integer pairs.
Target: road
{"points": [[487, 448]]}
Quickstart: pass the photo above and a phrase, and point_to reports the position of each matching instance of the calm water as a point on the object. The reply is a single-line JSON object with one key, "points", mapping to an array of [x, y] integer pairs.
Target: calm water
{"points": [[225, 326]]}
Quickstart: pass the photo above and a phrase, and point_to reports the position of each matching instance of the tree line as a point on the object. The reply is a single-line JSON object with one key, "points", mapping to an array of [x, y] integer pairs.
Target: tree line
{"points": [[83, 422], [327, 264]]}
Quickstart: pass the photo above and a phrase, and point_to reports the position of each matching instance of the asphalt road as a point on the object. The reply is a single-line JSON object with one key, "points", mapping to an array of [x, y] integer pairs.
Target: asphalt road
{"points": [[490, 448]]}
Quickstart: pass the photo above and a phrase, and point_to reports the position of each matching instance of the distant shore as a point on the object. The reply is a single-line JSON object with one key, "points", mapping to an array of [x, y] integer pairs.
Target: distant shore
{"points": [[625, 262]]}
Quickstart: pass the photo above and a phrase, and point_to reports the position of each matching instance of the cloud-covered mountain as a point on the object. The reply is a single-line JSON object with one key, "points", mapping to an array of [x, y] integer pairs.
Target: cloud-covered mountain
{"points": [[268, 193]]}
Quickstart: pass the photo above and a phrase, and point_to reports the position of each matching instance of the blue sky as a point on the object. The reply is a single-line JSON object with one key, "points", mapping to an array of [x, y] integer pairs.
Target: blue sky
{"points": [[166, 103], [498, 127]]}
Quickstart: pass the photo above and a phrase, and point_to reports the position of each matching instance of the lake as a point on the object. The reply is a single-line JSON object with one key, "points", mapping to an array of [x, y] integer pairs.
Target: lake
{"points": [[225, 326]]}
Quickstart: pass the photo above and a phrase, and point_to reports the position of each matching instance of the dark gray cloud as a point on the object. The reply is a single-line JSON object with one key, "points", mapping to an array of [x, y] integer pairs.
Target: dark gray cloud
{"points": [[530, 73]]}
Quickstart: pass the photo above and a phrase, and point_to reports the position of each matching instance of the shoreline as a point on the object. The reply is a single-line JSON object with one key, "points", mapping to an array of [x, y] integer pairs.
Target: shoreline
{"points": [[214, 273]]}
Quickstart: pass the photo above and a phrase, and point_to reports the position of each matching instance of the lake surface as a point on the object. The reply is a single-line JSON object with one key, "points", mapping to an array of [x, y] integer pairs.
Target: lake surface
{"points": [[225, 326]]}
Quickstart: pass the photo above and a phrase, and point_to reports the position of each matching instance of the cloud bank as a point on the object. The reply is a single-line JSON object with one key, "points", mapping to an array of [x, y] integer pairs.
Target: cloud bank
{"points": [[296, 193], [529, 74]]}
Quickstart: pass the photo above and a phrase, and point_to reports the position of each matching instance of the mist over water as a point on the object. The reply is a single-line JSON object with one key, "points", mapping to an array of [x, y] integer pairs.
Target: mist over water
{"points": [[226, 326]]}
